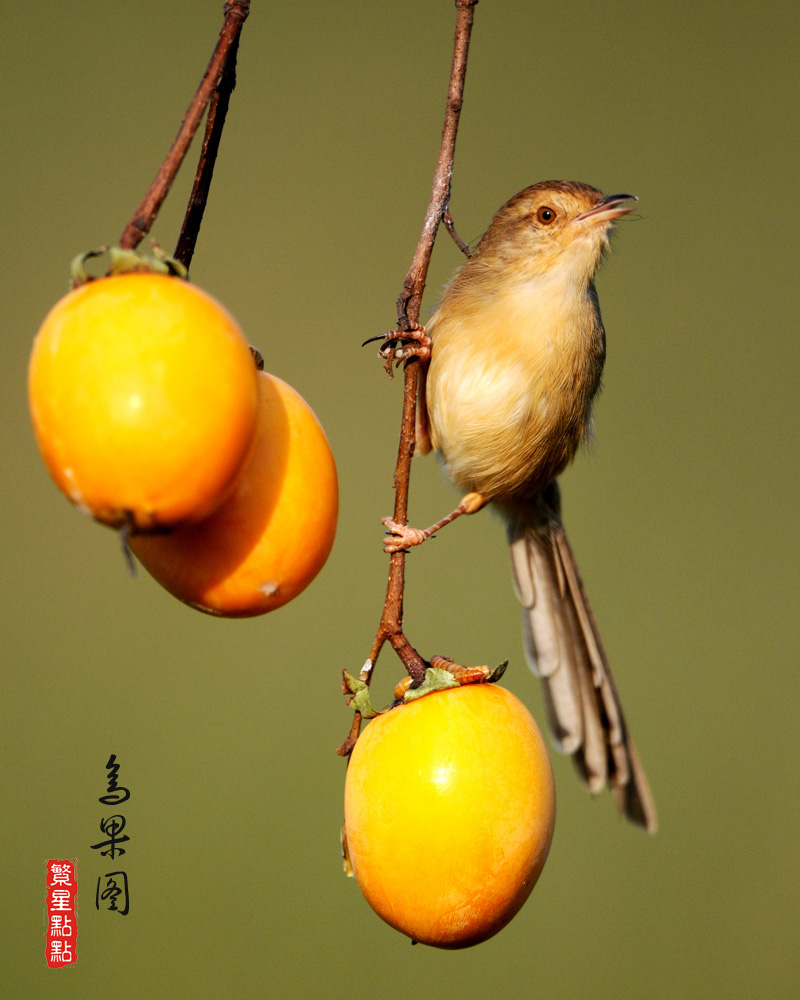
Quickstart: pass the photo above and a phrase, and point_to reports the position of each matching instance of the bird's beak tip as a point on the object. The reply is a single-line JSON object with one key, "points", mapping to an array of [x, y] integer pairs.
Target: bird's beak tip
{"points": [[610, 207]]}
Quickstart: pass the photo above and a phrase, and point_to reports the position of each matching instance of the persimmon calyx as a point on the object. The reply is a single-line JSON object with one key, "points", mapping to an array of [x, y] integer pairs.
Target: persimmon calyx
{"points": [[436, 679], [441, 674], [122, 261], [446, 673]]}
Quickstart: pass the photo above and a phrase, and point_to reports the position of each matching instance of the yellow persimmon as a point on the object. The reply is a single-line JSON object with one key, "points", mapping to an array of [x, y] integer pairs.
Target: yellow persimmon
{"points": [[272, 535], [143, 396], [449, 813]]}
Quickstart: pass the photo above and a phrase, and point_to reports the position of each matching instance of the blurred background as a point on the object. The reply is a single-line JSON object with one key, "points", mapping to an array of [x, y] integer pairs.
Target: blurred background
{"points": [[683, 513]]}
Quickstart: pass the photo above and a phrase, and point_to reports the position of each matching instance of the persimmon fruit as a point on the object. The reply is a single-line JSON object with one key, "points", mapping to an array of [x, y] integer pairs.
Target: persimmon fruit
{"points": [[449, 813], [273, 534], [143, 395]]}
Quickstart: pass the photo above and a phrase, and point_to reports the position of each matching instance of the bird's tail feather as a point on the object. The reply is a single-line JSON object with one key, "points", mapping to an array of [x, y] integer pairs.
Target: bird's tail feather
{"points": [[564, 649]]}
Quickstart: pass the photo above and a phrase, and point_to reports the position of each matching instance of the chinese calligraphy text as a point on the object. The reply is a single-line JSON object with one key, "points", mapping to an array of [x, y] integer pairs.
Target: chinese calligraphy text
{"points": [[112, 887]]}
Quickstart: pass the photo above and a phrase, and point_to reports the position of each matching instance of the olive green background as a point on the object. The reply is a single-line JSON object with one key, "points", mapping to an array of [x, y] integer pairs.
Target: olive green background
{"points": [[683, 513]]}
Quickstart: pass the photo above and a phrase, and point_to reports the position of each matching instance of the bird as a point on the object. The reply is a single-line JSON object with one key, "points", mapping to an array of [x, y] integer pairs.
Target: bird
{"points": [[511, 361]]}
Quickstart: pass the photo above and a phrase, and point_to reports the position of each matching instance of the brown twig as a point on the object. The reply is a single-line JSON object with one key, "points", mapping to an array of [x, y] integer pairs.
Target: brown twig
{"points": [[236, 12], [215, 122], [409, 301], [449, 225]]}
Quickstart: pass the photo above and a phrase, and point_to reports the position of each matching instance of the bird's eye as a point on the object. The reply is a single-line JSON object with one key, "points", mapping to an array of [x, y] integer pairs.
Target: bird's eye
{"points": [[546, 215]]}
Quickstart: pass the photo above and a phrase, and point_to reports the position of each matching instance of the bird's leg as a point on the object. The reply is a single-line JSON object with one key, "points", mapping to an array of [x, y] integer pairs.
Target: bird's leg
{"points": [[402, 536]]}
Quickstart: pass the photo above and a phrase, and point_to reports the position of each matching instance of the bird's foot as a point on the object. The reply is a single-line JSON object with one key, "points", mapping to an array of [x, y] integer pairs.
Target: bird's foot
{"points": [[400, 537], [400, 346]]}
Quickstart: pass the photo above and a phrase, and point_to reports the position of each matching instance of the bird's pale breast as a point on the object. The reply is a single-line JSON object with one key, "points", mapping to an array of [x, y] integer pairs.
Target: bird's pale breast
{"points": [[510, 384]]}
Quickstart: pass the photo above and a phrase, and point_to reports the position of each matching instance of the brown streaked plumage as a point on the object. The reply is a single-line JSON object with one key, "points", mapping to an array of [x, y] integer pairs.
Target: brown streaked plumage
{"points": [[517, 354]]}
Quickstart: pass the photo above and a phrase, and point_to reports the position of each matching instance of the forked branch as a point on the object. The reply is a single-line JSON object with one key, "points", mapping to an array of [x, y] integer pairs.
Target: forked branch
{"points": [[217, 82]]}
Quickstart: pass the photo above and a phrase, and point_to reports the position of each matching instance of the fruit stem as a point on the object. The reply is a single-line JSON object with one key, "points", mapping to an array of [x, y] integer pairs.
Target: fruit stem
{"points": [[218, 80]]}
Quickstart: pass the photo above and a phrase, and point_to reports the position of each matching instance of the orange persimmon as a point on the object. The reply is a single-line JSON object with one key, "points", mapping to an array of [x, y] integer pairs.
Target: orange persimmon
{"points": [[449, 813], [143, 396], [272, 535]]}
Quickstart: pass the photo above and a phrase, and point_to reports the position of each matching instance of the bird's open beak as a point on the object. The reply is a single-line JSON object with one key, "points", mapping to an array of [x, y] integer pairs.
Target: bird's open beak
{"points": [[609, 208]]}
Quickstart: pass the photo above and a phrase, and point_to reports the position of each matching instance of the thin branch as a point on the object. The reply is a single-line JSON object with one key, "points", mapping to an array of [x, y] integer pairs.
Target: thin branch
{"points": [[236, 12], [410, 299], [408, 309], [449, 225], [215, 122]]}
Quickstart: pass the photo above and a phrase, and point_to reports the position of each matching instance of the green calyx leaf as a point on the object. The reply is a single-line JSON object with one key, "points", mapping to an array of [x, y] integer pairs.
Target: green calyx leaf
{"points": [[124, 262], [77, 268], [360, 700], [497, 673], [436, 679]]}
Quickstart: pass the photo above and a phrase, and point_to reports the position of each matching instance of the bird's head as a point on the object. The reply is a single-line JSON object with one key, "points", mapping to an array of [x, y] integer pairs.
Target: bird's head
{"points": [[554, 225]]}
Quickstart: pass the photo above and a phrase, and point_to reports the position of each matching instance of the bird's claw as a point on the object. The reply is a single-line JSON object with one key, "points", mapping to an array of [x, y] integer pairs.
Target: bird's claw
{"points": [[401, 345], [400, 536], [414, 343]]}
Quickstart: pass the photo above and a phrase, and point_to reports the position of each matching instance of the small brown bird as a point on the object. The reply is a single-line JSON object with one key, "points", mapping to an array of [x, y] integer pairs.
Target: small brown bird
{"points": [[517, 349]]}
